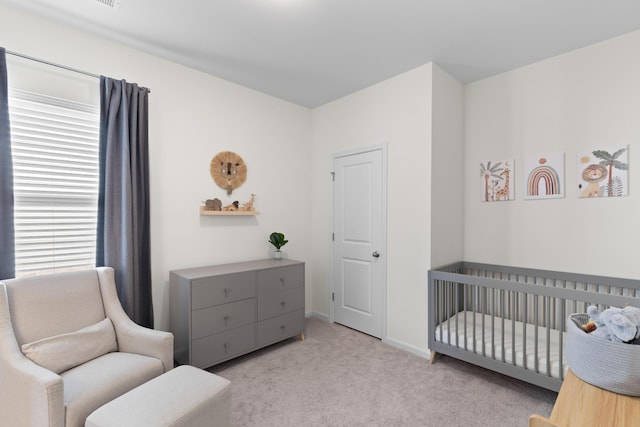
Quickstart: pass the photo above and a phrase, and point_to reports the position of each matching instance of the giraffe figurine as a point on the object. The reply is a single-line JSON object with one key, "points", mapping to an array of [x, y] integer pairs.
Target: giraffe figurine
{"points": [[504, 192], [249, 205]]}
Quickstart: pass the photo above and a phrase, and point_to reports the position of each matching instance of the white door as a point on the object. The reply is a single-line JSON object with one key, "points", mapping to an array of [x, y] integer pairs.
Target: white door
{"points": [[359, 241]]}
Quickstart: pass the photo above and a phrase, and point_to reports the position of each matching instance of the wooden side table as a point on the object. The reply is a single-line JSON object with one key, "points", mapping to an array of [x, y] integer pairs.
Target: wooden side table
{"points": [[582, 404]]}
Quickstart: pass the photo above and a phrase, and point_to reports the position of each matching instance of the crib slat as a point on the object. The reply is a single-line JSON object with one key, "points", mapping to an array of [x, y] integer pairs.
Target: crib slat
{"points": [[561, 343], [547, 309], [536, 322], [476, 296], [525, 307], [464, 305], [513, 329]]}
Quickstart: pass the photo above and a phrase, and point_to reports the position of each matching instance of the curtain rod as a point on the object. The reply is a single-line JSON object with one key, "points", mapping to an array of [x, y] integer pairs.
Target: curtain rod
{"points": [[52, 64], [64, 67]]}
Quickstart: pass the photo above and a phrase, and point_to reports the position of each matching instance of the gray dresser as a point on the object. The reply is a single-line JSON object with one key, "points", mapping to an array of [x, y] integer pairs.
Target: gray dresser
{"points": [[223, 311]]}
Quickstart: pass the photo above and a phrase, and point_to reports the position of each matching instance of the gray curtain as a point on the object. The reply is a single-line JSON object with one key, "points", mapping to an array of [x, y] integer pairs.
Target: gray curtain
{"points": [[123, 238], [7, 231]]}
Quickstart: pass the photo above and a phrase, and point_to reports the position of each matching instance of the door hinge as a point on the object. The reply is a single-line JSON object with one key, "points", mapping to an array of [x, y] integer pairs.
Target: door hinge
{"points": [[333, 176], [333, 296]]}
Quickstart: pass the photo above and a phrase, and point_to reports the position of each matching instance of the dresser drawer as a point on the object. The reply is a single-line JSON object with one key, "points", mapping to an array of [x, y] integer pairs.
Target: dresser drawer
{"points": [[210, 350], [270, 305], [281, 327], [219, 318], [210, 291], [279, 279]]}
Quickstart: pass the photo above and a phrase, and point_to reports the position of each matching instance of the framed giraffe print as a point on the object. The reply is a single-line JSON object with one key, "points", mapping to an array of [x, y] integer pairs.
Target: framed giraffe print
{"points": [[496, 181], [544, 176]]}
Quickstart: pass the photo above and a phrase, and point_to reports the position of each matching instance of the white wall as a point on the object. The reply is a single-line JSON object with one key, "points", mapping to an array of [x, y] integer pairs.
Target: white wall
{"points": [[398, 112], [193, 116], [447, 183], [586, 99]]}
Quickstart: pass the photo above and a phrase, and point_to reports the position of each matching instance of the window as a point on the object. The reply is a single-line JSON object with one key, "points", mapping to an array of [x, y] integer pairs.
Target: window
{"points": [[55, 159]]}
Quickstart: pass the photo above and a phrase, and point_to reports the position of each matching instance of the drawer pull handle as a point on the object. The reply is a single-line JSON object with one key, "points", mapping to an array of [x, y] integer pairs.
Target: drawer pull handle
{"points": [[282, 280], [226, 292], [226, 347], [282, 304], [282, 327], [226, 319]]}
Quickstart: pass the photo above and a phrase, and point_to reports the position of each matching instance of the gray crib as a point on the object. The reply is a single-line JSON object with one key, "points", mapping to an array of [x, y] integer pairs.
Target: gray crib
{"points": [[512, 320]]}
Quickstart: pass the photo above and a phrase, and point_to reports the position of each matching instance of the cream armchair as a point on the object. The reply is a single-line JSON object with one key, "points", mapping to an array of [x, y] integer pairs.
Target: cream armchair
{"points": [[67, 347]]}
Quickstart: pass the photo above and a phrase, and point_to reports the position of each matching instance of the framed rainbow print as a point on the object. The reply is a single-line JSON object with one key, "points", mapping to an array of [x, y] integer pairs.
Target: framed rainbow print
{"points": [[544, 176]]}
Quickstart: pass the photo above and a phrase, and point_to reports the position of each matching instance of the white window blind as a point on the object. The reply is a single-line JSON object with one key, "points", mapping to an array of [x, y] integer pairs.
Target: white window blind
{"points": [[54, 145]]}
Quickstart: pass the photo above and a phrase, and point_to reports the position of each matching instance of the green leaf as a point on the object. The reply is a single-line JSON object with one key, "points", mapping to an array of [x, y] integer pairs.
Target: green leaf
{"points": [[617, 153], [601, 154], [277, 239], [619, 165]]}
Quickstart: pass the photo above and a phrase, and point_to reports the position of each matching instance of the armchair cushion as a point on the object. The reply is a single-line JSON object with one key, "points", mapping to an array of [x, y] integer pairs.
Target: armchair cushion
{"points": [[65, 351], [92, 384], [53, 304]]}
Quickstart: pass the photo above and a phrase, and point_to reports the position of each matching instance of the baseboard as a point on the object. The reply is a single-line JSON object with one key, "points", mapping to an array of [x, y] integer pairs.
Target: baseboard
{"points": [[406, 347], [318, 316]]}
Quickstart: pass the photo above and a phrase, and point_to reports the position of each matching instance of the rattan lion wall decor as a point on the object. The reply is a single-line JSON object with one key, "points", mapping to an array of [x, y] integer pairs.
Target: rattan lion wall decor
{"points": [[228, 170]]}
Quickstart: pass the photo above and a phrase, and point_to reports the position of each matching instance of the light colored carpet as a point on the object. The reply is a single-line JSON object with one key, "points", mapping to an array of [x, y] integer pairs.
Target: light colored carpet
{"points": [[340, 377]]}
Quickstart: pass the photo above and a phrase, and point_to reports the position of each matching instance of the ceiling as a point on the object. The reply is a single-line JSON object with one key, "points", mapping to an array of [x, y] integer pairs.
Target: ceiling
{"points": [[311, 52]]}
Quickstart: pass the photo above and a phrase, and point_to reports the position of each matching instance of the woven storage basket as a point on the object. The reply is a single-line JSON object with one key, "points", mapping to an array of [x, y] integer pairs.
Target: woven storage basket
{"points": [[606, 364]]}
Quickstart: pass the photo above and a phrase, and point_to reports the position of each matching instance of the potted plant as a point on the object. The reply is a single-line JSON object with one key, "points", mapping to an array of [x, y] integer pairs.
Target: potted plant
{"points": [[278, 241]]}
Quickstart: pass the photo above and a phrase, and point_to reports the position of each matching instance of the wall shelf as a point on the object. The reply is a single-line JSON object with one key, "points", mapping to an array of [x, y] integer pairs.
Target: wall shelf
{"points": [[204, 211]]}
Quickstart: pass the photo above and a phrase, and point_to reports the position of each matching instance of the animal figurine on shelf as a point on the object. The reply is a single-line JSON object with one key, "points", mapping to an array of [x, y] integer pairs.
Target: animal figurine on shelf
{"points": [[213, 204], [232, 207], [249, 205], [616, 324]]}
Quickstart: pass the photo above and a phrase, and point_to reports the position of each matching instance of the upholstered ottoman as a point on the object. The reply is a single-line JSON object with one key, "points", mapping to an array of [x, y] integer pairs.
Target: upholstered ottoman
{"points": [[184, 396]]}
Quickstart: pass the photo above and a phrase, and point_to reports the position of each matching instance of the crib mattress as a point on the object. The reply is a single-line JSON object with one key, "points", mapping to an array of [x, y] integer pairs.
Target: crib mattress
{"points": [[491, 343]]}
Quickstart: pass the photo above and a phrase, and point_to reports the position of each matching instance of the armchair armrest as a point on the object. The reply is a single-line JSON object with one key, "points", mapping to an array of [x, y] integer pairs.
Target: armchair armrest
{"points": [[133, 338], [536, 420], [31, 394]]}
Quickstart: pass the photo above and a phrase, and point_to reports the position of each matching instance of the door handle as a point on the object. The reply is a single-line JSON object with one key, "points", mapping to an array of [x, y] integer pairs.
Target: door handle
{"points": [[375, 254]]}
